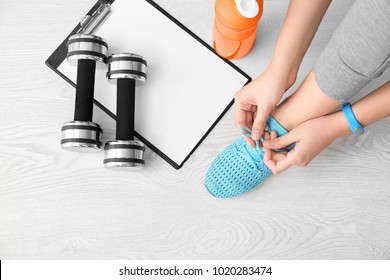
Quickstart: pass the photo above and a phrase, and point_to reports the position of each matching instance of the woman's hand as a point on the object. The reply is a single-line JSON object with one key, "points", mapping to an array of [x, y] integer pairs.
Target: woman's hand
{"points": [[255, 101], [314, 135], [310, 138]]}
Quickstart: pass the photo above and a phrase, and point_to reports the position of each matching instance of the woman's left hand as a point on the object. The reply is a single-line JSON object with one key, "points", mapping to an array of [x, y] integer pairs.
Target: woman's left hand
{"points": [[310, 138]]}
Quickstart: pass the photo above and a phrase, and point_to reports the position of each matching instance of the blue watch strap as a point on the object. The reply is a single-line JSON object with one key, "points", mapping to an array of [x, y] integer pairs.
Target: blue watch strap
{"points": [[355, 126]]}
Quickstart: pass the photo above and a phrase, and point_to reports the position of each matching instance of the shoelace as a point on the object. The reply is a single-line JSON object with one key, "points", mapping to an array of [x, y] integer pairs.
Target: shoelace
{"points": [[253, 161]]}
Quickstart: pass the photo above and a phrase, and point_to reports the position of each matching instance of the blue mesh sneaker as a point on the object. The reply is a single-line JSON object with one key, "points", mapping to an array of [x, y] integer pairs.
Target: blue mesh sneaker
{"points": [[240, 168]]}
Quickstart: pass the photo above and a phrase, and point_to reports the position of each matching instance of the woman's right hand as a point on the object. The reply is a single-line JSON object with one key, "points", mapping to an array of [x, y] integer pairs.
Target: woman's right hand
{"points": [[255, 101]]}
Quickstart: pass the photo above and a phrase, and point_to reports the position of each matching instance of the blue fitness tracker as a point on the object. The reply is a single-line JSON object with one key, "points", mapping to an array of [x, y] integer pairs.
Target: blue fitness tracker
{"points": [[355, 126]]}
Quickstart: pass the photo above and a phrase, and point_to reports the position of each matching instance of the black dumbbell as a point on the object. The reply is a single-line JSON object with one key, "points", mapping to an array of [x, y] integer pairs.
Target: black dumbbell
{"points": [[128, 69], [82, 134]]}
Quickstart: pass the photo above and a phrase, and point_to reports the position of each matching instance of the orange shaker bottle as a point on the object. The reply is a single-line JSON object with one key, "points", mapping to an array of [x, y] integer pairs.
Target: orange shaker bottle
{"points": [[235, 26]]}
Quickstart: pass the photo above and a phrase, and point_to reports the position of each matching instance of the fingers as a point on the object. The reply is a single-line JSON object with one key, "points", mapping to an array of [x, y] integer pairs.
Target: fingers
{"points": [[250, 142], [249, 119], [241, 116], [242, 110], [259, 124], [248, 113], [280, 142], [278, 162], [267, 135]]}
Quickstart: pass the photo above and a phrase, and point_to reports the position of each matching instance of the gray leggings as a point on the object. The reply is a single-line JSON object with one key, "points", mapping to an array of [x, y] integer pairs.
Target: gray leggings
{"points": [[358, 52]]}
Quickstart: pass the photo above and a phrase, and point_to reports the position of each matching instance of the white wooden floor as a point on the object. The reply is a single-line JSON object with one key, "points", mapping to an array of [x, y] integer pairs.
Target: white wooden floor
{"points": [[60, 205]]}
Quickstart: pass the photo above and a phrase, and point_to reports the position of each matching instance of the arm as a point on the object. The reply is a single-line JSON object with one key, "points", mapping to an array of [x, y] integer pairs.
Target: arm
{"points": [[256, 100], [298, 30], [314, 135], [368, 110]]}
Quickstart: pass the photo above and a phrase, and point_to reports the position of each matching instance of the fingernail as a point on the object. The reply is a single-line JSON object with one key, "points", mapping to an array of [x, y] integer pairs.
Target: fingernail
{"points": [[256, 134]]}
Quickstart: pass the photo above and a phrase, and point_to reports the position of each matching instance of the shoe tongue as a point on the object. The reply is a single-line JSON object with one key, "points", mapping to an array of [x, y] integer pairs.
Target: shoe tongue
{"points": [[274, 125]]}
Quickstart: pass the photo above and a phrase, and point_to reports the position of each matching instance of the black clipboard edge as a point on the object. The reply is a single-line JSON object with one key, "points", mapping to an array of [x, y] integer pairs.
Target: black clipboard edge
{"points": [[54, 61]]}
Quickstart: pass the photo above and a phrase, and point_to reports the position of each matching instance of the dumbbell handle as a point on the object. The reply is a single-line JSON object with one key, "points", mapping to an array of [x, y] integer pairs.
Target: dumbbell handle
{"points": [[84, 90], [125, 109]]}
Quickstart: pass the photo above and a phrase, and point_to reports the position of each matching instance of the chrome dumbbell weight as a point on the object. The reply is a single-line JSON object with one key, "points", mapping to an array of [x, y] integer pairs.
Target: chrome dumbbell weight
{"points": [[128, 69], [82, 134]]}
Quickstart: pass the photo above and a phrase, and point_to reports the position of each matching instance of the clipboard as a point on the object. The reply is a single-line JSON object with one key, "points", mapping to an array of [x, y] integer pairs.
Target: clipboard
{"points": [[165, 134]]}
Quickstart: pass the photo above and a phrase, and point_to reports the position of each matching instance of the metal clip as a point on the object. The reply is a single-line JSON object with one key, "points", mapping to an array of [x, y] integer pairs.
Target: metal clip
{"points": [[89, 24]]}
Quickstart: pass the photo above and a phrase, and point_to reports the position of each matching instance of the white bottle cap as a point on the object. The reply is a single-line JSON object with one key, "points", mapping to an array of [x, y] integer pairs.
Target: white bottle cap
{"points": [[247, 8]]}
